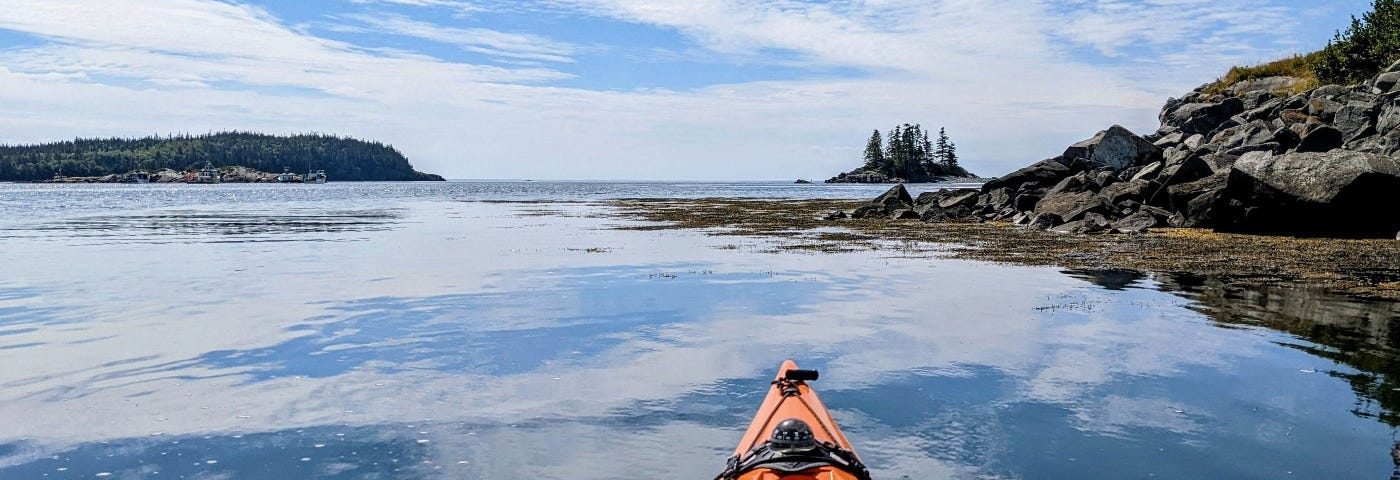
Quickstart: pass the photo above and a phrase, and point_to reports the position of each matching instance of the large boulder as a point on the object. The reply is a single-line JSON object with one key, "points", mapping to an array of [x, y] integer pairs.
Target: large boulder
{"points": [[1339, 193], [1203, 118], [1116, 148], [895, 197], [888, 204], [1041, 174], [1386, 82], [1194, 202], [1321, 139], [1073, 206], [1118, 192]]}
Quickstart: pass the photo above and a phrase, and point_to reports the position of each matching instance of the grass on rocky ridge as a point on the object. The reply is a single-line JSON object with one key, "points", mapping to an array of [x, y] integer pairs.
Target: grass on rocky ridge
{"points": [[1299, 66]]}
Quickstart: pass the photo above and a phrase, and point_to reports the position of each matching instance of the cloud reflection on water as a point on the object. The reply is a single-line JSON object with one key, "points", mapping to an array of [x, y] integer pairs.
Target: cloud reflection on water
{"points": [[651, 354]]}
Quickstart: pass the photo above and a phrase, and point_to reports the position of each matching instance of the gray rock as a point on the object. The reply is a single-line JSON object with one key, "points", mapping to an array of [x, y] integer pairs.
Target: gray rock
{"points": [[929, 198], [1025, 202], [1254, 133], [1103, 178], [1204, 117], [959, 198], [1192, 168], [1324, 108], [1394, 67], [1328, 92], [1389, 117], [1387, 144], [1385, 83], [1168, 140], [868, 211], [1093, 223], [1243, 149], [1356, 118], [1116, 148], [1258, 98], [894, 197], [1264, 85], [1194, 142], [1041, 174], [1195, 201], [1072, 184], [1148, 172], [933, 214], [835, 215], [1321, 139], [1044, 221], [1073, 206], [863, 177], [1168, 110], [1176, 155], [905, 214], [1286, 139], [1118, 192], [1068, 227], [1296, 102], [1337, 193], [1136, 223]]}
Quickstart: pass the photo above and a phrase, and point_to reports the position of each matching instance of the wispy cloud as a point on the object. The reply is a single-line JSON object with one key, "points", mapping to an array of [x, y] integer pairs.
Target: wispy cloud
{"points": [[1009, 79], [478, 40]]}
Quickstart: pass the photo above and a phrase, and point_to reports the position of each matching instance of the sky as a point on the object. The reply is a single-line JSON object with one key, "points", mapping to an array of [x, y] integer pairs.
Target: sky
{"points": [[633, 89]]}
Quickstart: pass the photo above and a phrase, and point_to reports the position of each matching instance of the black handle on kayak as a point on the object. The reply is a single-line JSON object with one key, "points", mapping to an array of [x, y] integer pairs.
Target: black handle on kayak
{"points": [[802, 375]]}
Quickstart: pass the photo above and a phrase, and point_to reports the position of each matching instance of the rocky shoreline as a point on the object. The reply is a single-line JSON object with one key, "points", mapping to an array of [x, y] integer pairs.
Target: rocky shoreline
{"points": [[232, 174], [1360, 267], [1251, 160]]}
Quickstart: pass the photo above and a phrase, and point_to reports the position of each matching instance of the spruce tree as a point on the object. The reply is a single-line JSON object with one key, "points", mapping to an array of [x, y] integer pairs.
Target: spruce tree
{"points": [[908, 145], [926, 156], [874, 153], [892, 152], [940, 153]]}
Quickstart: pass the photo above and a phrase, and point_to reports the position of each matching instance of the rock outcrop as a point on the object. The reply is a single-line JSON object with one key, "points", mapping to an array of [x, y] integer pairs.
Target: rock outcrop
{"points": [[1317, 163], [861, 176]]}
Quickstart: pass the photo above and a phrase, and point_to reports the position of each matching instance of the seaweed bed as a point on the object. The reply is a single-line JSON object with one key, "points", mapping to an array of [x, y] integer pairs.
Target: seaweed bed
{"points": [[1363, 268]]}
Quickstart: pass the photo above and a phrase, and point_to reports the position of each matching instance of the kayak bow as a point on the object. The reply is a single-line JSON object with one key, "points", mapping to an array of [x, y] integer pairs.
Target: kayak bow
{"points": [[793, 437]]}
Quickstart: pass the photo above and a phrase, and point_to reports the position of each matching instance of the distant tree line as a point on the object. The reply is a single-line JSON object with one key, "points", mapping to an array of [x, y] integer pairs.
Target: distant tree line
{"points": [[343, 159], [906, 152]]}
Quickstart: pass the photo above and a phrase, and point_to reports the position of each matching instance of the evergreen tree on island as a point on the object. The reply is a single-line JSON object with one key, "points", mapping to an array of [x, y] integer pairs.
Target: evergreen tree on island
{"points": [[342, 158], [905, 154]]}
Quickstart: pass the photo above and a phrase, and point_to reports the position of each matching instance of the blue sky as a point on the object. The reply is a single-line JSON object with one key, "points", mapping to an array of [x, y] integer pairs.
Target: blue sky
{"points": [[632, 89]]}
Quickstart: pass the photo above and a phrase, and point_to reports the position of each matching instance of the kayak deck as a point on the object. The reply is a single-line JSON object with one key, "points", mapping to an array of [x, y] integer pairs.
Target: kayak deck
{"points": [[790, 397]]}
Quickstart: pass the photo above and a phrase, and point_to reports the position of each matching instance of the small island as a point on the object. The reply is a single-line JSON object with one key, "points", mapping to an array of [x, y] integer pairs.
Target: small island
{"points": [[233, 156], [906, 155], [1308, 146]]}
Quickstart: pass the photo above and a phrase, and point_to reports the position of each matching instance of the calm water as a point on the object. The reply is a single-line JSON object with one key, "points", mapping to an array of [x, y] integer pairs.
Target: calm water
{"points": [[432, 331]]}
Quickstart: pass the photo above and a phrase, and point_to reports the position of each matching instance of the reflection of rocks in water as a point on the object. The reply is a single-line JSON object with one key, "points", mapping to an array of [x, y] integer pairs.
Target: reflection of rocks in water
{"points": [[1364, 334], [1311, 311], [1361, 333], [1112, 279]]}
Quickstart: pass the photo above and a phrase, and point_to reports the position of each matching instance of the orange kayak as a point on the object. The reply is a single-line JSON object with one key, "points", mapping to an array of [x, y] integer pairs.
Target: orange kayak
{"points": [[793, 437]]}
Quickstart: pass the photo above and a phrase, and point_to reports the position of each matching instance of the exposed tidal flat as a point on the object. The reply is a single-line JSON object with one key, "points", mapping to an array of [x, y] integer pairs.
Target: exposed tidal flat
{"points": [[560, 330]]}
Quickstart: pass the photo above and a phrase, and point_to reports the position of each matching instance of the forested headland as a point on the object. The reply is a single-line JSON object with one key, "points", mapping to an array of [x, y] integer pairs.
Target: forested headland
{"points": [[343, 159], [906, 154]]}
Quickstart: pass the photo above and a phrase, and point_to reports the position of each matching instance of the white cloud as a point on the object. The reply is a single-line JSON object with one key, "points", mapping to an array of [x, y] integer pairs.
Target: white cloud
{"points": [[1003, 78], [478, 40]]}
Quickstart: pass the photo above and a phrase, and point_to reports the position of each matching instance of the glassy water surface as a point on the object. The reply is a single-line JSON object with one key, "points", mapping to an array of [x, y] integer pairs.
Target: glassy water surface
{"points": [[469, 330]]}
